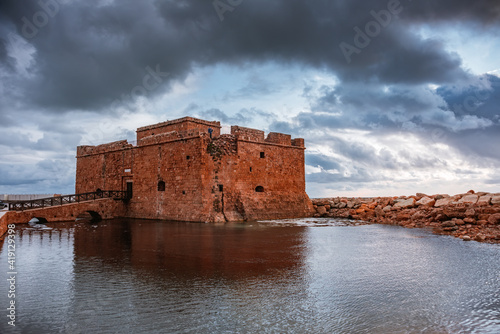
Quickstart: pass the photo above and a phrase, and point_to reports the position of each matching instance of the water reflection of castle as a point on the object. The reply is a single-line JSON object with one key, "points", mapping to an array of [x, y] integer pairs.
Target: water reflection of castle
{"points": [[192, 249]]}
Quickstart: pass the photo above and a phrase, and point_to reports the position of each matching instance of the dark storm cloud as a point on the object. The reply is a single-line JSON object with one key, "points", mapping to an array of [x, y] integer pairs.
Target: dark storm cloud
{"points": [[392, 108], [49, 175], [487, 11], [3, 50], [89, 54], [244, 117], [357, 175], [483, 100], [325, 162]]}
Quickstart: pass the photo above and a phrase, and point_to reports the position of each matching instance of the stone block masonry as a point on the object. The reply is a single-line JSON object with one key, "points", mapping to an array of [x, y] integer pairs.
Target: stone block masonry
{"points": [[186, 170], [106, 208], [470, 216]]}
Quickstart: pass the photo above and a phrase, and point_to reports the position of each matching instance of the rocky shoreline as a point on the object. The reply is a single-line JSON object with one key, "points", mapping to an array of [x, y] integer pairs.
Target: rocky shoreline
{"points": [[470, 216]]}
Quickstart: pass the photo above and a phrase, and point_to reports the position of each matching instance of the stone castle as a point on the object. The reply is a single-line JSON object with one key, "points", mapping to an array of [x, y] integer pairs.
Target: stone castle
{"points": [[186, 170]]}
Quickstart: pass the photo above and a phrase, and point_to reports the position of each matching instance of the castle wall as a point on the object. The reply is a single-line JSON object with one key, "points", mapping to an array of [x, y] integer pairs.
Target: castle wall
{"points": [[103, 167], [179, 165], [181, 125], [185, 175], [278, 170]]}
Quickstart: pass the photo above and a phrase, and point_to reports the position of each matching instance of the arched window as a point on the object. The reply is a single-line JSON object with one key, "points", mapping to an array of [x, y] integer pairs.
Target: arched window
{"points": [[259, 189], [161, 186]]}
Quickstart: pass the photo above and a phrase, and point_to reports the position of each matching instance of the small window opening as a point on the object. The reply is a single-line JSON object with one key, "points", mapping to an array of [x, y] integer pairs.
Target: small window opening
{"points": [[130, 191], [262, 155], [184, 192], [161, 185], [188, 157], [221, 188], [259, 189], [250, 169]]}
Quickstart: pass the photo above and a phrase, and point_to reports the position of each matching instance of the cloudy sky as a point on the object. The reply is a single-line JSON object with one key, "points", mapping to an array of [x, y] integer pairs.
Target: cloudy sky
{"points": [[392, 97]]}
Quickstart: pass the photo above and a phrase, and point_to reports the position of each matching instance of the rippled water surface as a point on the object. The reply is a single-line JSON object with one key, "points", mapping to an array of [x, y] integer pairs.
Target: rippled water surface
{"points": [[296, 276]]}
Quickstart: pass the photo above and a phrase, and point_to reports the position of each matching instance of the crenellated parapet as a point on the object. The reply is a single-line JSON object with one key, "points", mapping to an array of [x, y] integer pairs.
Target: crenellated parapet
{"points": [[299, 142], [104, 148], [169, 137], [253, 135], [243, 133], [181, 125], [279, 138]]}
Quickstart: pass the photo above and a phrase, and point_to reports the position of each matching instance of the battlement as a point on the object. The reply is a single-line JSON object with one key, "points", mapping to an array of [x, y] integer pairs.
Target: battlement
{"points": [[299, 142], [249, 134], [242, 133], [169, 137], [279, 138], [99, 149], [180, 125]]}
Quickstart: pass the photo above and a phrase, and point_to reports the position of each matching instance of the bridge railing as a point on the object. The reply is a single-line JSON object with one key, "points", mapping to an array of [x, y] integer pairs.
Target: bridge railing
{"points": [[66, 199]]}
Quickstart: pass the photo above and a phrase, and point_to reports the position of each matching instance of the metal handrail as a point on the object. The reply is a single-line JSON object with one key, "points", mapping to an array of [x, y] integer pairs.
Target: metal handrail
{"points": [[66, 199]]}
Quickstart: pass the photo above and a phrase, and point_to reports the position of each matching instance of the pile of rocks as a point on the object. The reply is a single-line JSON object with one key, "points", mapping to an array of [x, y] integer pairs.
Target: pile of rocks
{"points": [[470, 216]]}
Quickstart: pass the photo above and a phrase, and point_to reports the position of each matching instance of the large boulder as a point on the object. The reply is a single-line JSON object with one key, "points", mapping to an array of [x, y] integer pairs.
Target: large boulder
{"points": [[321, 210], [470, 199], [495, 200], [443, 202], [404, 204], [494, 219], [484, 200], [426, 201]]}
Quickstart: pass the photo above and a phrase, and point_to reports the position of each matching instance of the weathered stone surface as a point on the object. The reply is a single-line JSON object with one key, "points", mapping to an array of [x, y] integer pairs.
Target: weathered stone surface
{"points": [[448, 223], [107, 208], [321, 210], [472, 199], [495, 200], [494, 218], [480, 237], [443, 202], [440, 196], [469, 220], [426, 201], [407, 203], [470, 212], [484, 200], [465, 220]]}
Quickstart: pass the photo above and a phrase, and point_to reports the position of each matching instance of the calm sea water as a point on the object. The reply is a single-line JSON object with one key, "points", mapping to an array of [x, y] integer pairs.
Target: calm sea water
{"points": [[134, 276]]}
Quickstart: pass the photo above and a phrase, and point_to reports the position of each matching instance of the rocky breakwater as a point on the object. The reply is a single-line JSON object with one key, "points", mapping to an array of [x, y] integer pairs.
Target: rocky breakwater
{"points": [[470, 216]]}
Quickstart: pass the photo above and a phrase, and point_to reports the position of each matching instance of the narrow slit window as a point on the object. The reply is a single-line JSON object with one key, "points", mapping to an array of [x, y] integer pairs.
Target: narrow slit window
{"points": [[262, 155], [221, 188], [161, 185]]}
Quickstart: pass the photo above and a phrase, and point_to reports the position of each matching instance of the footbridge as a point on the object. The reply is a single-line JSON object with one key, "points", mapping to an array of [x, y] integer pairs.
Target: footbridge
{"points": [[106, 204]]}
